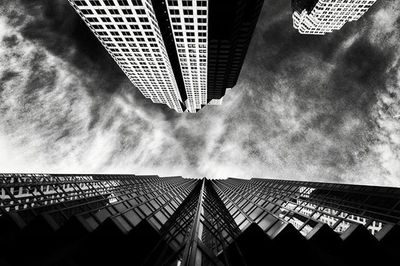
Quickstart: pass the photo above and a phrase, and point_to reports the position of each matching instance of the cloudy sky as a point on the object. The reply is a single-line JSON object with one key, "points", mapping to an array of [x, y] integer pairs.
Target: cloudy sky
{"points": [[323, 108]]}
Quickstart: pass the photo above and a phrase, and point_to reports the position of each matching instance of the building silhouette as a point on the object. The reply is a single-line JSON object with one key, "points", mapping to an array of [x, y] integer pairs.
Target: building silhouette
{"points": [[148, 220], [323, 16], [182, 53]]}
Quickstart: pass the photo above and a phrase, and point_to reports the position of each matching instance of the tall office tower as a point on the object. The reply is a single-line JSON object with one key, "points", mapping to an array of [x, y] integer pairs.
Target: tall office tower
{"points": [[147, 220], [182, 53], [323, 16]]}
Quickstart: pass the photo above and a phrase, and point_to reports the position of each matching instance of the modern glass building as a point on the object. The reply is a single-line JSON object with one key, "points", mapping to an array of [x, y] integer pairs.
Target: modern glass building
{"points": [[182, 53], [323, 16], [149, 220]]}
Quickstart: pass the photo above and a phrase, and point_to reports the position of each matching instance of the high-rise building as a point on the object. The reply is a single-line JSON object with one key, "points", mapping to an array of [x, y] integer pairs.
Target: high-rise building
{"points": [[182, 53], [147, 220], [323, 16]]}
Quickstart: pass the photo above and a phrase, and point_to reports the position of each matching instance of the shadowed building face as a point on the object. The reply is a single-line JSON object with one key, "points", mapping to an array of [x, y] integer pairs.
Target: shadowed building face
{"points": [[173, 220]]}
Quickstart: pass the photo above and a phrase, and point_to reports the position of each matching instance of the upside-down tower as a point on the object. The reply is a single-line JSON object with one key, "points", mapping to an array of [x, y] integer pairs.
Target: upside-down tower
{"points": [[147, 220], [182, 53], [323, 16]]}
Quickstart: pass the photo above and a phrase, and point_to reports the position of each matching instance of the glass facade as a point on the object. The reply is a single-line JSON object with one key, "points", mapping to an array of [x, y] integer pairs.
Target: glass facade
{"points": [[178, 221], [94, 198], [273, 203]]}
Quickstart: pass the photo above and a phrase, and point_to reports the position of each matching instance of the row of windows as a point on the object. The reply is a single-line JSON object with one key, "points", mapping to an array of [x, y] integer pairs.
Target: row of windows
{"points": [[188, 12], [188, 46], [187, 3], [107, 2], [111, 12]]}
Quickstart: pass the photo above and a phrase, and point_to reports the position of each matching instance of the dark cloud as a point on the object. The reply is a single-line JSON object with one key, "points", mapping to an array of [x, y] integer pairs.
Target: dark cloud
{"points": [[57, 27], [10, 41], [7, 75]]}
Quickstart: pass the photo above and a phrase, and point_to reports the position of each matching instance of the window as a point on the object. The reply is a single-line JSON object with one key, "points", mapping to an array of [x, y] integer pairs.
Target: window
{"points": [[86, 11], [187, 3], [108, 2], [201, 3], [100, 11], [172, 2], [127, 11], [113, 11], [92, 20], [136, 2], [123, 2], [95, 3], [80, 3], [176, 20]]}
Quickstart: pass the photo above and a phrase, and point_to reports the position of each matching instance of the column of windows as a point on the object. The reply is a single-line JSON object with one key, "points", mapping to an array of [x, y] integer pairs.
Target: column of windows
{"points": [[128, 29], [189, 25]]}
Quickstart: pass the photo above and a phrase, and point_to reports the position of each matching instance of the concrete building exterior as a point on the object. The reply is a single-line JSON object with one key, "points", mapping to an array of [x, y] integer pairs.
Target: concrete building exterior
{"points": [[163, 46], [319, 17]]}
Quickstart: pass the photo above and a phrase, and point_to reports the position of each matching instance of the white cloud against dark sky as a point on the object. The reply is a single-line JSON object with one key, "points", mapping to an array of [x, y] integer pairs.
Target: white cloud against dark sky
{"points": [[305, 107]]}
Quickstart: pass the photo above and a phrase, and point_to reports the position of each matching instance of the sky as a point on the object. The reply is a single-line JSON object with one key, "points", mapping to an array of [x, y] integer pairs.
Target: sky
{"points": [[317, 108]]}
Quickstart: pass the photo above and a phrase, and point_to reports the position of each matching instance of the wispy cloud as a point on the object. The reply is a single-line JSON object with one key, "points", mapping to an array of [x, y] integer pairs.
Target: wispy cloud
{"points": [[311, 108]]}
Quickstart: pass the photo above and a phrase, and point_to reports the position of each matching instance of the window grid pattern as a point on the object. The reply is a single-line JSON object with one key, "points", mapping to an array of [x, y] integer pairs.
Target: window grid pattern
{"points": [[129, 31], [128, 199], [273, 203], [201, 227], [189, 26], [329, 15]]}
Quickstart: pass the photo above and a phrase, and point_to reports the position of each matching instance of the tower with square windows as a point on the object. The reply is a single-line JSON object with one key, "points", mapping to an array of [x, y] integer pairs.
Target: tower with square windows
{"points": [[162, 46], [319, 17]]}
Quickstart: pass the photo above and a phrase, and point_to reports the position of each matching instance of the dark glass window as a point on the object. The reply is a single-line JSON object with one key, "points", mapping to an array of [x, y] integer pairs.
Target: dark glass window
{"points": [[108, 2]]}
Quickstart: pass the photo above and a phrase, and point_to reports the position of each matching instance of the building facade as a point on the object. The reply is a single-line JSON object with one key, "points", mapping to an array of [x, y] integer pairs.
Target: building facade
{"points": [[163, 46], [148, 220], [323, 16]]}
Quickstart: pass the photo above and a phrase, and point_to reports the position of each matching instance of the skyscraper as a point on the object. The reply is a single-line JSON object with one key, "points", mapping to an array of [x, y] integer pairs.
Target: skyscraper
{"points": [[147, 220], [182, 53], [323, 16]]}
